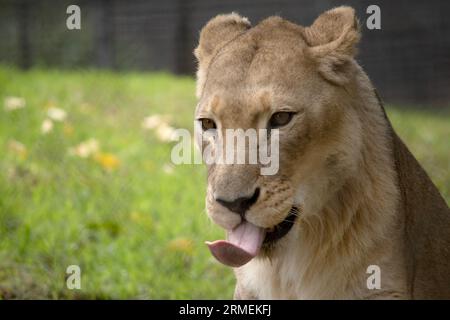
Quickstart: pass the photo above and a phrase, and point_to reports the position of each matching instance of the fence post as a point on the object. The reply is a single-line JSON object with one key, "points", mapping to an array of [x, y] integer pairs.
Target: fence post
{"points": [[23, 16], [182, 51], [104, 34]]}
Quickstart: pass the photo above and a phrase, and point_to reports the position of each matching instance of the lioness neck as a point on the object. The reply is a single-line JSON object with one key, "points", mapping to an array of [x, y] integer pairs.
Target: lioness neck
{"points": [[328, 255]]}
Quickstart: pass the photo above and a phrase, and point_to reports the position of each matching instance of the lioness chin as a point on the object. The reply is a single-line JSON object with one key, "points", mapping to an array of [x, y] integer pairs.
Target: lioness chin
{"points": [[348, 194]]}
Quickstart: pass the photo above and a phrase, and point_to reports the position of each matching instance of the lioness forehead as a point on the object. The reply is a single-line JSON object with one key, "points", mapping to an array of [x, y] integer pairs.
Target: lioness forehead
{"points": [[270, 54]]}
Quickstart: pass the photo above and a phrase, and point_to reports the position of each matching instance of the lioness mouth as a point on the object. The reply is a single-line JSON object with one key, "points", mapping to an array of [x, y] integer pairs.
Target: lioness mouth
{"points": [[245, 241]]}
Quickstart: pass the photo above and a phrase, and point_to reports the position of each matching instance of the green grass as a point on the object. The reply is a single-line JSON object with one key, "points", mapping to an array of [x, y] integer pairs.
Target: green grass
{"points": [[135, 228]]}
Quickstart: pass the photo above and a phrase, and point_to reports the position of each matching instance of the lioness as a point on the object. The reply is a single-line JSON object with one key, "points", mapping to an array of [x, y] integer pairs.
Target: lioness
{"points": [[348, 193]]}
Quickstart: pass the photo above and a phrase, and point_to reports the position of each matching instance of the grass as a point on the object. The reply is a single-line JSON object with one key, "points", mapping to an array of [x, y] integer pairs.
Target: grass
{"points": [[133, 223]]}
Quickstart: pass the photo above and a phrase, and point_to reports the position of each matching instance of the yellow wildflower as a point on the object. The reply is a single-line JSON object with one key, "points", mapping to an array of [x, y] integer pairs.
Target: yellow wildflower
{"points": [[49, 104], [182, 245], [142, 219], [68, 129], [107, 160]]}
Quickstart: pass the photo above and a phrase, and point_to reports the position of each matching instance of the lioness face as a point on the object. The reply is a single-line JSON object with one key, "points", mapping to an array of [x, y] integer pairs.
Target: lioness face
{"points": [[267, 77]]}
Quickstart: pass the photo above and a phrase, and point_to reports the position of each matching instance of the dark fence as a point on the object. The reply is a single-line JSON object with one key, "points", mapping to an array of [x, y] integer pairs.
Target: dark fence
{"points": [[408, 59]]}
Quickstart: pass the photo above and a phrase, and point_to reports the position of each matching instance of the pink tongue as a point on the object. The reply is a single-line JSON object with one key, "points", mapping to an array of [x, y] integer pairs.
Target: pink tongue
{"points": [[243, 245]]}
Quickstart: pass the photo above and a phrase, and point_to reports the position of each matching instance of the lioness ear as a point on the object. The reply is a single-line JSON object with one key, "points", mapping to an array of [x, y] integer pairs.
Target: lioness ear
{"points": [[332, 40], [217, 32]]}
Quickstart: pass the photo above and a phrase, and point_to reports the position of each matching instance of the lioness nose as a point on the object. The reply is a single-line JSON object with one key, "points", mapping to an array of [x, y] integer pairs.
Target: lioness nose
{"points": [[240, 205]]}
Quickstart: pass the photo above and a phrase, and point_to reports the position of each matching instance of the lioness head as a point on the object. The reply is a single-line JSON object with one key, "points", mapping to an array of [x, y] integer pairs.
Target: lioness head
{"points": [[300, 80]]}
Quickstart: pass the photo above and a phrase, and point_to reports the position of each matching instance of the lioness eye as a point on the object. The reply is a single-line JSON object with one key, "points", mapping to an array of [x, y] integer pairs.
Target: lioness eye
{"points": [[280, 119], [207, 124]]}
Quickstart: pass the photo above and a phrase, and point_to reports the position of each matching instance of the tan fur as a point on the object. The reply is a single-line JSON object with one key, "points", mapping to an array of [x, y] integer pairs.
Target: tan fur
{"points": [[364, 199]]}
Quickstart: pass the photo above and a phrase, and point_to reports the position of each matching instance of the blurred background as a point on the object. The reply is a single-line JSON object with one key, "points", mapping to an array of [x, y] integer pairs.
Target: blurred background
{"points": [[408, 59], [85, 136]]}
